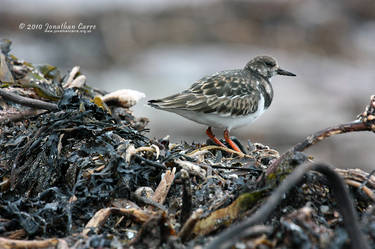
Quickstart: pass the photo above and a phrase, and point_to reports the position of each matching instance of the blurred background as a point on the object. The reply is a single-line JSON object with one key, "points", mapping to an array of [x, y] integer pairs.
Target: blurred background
{"points": [[161, 47]]}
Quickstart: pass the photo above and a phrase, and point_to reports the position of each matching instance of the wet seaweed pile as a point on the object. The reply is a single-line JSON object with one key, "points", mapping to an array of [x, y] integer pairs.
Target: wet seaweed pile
{"points": [[78, 171]]}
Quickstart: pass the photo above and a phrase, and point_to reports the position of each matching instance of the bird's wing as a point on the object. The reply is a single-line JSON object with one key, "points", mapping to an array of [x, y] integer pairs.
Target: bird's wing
{"points": [[224, 93]]}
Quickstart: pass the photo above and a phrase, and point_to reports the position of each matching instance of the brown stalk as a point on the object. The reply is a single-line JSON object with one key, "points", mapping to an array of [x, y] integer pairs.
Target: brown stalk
{"points": [[35, 103], [366, 122]]}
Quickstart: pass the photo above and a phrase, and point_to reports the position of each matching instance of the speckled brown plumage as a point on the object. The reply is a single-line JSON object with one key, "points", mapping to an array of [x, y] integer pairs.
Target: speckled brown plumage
{"points": [[224, 93]]}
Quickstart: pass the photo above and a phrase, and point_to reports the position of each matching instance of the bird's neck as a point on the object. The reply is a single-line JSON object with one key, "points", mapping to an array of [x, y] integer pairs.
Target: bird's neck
{"points": [[266, 90], [264, 86]]}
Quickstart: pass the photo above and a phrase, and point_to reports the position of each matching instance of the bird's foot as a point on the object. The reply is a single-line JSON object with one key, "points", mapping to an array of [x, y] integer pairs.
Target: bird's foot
{"points": [[230, 142], [212, 136], [226, 137]]}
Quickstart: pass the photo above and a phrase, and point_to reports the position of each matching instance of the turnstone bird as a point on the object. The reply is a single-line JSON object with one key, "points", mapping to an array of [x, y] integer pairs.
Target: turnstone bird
{"points": [[226, 99]]}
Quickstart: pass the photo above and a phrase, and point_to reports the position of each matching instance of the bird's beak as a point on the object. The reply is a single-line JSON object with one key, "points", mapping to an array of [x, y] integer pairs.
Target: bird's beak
{"points": [[284, 72]]}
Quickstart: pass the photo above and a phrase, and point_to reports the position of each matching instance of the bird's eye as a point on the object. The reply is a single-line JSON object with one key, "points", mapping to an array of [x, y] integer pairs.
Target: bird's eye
{"points": [[270, 63]]}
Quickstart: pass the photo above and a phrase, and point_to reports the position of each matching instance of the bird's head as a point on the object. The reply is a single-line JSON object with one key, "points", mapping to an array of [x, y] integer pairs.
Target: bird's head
{"points": [[266, 66]]}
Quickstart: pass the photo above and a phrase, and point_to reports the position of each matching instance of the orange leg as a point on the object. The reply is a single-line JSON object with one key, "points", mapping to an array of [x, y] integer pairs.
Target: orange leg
{"points": [[230, 142], [212, 136]]}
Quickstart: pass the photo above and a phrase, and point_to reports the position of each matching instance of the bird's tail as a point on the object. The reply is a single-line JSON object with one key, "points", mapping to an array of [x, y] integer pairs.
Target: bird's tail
{"points": [[154, 103]]}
